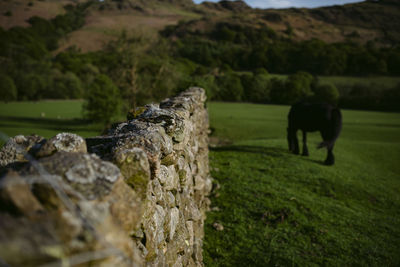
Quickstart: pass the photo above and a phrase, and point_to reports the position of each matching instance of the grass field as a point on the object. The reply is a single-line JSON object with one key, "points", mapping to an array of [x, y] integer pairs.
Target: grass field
{"points": [[278, 209], [44, 118]]}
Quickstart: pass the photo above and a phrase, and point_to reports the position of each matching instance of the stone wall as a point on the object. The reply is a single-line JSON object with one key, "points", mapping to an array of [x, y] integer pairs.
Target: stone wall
{"points": [[136, 196]]}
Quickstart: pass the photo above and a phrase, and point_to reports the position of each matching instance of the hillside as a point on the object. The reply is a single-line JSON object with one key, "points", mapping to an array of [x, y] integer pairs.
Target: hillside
{"points": [[376, 21], [17, 12], [161, 47]]}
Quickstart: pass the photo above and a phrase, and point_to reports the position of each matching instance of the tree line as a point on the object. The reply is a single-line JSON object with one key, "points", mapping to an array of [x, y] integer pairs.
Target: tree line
{"points": [[245, 48], [232, 62]]}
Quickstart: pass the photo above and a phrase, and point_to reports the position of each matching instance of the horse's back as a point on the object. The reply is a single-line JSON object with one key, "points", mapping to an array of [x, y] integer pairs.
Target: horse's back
{"points": [[310, 116]]}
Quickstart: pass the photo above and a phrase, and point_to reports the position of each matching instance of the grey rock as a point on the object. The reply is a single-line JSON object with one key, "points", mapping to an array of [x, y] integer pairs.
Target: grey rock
{"points": [[66, 142]]}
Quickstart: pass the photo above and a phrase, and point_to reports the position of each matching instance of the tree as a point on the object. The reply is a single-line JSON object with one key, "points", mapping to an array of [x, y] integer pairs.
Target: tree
{"points": [[231, 88], [74, 85], [326, 93], [8, 91], [260, 89], [102, 100], [295, 88], [31, 86]]}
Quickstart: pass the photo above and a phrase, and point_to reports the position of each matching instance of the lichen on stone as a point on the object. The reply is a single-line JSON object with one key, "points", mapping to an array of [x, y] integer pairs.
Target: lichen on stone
{"points": [[135, 168], [67, 142], [86, 173]]}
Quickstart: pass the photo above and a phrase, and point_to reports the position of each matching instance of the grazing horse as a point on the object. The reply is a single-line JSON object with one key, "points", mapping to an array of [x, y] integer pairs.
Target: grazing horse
{"points": [[310, 117]]}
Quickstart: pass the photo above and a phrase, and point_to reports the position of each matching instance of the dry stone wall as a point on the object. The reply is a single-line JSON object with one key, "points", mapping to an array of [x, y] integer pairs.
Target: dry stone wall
{"points": [[136, 196]]}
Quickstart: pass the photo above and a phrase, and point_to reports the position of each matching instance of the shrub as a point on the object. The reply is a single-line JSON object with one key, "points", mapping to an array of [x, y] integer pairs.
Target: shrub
{"points": [[326, 93], [31, 87], [8, 91], [278, 89], [297, 87], [230, 87], [102, 100], [391, 99]]}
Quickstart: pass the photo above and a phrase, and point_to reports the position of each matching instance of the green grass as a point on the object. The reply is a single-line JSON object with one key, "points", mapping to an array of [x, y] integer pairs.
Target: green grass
{"points": [[279, 209], [59, 116]]}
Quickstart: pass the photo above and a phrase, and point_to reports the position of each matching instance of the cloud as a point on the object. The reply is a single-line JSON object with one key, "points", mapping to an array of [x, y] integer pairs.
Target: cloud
{"points": [[270, 3], [291, 3]]}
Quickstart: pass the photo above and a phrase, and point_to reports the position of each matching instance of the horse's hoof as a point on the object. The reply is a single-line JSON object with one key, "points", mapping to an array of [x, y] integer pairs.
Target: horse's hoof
{"points": [[329, 162]]}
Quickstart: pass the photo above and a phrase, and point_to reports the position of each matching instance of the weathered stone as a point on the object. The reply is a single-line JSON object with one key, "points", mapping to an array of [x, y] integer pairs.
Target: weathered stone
{"points": [[146, 210], [17, 148], [218, 226], [168, 177], [158, 192], [125, 206], [173, 220], [169, 159], [87, 174], [170, 199], [66, 142], [16, 196], [199, 183], [135, 168], [68, 225]]}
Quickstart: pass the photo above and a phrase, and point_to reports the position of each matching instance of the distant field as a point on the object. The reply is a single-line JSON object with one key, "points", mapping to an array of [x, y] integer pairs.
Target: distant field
{"points": [[45, 118], [278, 209]]}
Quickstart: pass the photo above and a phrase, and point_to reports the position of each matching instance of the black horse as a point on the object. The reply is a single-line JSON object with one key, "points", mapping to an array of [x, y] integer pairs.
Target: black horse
{"points": [[311, 117]]}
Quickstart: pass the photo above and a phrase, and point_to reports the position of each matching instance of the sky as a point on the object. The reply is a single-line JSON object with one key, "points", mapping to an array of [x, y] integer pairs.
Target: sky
{"points": [[291, 3]]}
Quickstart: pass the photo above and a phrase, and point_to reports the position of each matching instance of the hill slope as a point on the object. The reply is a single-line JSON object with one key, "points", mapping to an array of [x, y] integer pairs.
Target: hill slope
{"points": [[376, 21]]}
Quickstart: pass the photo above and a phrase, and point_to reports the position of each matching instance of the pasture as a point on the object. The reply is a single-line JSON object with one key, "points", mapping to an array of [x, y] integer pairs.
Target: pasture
{"points": [[44, 118], [278, 209]]}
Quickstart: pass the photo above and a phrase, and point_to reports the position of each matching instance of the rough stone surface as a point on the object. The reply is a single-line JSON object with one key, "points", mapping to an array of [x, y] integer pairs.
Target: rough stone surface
{"points": [[138, 200], [16, 149], [67, 142]]}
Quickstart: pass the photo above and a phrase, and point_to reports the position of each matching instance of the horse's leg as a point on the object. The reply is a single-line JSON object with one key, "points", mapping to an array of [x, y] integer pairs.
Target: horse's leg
{"points": [[305, 149], [330, 158], [296, 143]]}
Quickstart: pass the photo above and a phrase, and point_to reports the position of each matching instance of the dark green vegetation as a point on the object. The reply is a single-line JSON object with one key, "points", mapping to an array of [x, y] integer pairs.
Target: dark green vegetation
{"points": [[246, 47], [27, 61], [227, 48], [278, 209]]}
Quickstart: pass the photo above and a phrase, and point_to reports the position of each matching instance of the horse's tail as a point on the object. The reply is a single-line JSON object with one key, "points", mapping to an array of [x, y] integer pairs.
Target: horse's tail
{"points": [[336, 120]]}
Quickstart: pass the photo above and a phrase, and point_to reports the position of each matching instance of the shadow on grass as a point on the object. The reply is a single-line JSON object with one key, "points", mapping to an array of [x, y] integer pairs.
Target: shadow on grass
{"points": [[269, 151], [319, 162], [45, 123]]}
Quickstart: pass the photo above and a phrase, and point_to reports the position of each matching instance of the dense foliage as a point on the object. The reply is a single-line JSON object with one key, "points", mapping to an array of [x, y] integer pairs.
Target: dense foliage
{"points": [[231, 60], [246, 47], [26, 59], [102, 101]]}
